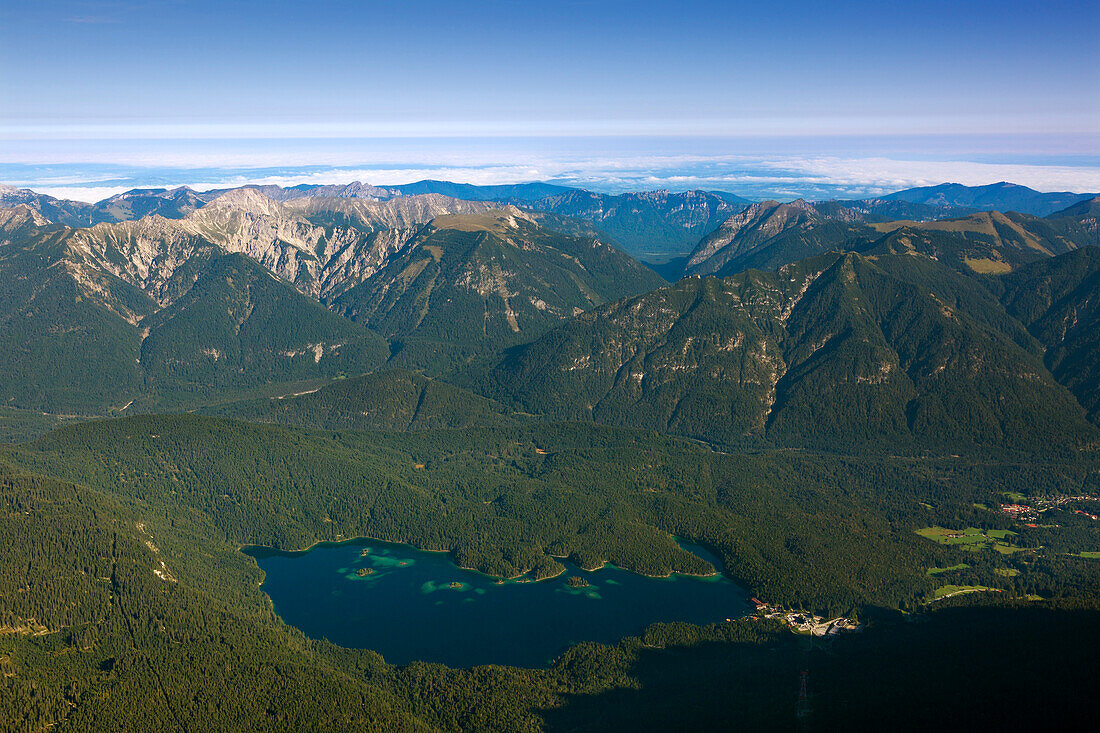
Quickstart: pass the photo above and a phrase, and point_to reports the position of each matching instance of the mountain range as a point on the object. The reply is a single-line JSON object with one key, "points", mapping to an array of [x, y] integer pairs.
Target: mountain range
{"points": [[650, 225], [260, 285], [248, 290], [1001, 196], [771, 234], [884, 351]]}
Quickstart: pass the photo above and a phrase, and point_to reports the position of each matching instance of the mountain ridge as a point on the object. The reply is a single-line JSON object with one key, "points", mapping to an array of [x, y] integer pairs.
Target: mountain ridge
{"points": [[837, 350], [481, 281], [1002, 196]]}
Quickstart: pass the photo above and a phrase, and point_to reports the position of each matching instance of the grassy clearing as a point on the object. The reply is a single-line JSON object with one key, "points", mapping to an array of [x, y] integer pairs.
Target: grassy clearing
{"points": [[972, 539], [1006, 549], [955, 590], [986, 266], [941, 571], [1014, 496], [1092, 555], [1007, 572]]}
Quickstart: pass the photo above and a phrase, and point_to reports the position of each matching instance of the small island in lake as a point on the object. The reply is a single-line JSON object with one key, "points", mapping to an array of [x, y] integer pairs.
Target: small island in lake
{"points": [[456, 585], [364, 572], [365, 552], [577, 582]]}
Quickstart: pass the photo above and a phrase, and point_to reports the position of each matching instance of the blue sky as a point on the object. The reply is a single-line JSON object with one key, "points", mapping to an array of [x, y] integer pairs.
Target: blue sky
{"points": [[1010, 83]]}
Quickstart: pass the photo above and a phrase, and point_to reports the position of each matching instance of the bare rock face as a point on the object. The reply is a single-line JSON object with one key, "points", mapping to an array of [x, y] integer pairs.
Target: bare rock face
{"points": [[321, 245], [747, 230], [419, 266], [19, 221]]}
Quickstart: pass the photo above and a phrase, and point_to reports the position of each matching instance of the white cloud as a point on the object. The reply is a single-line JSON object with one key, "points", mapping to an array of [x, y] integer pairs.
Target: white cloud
{"points": [[888, 175], [785, 176], [90, 194]]}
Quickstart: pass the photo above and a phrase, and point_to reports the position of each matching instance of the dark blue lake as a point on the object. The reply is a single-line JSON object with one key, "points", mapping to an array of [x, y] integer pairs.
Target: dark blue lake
{"points": [[416, 605]]}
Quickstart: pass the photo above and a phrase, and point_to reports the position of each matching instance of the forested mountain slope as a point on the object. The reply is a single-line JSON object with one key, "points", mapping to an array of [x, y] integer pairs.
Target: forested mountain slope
{"points": [[647, 223], [69, 341], [236, 325], [1059, 302], [1001, 196], [1008, 232], [1080, 222], [880, 209], [78, 339], [834, 352], [393, 399], [230, 296], [468, 285], [770, 234]]}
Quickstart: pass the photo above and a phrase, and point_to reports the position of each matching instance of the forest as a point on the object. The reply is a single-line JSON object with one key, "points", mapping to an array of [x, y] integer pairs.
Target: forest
{"points": [[111, 646]]}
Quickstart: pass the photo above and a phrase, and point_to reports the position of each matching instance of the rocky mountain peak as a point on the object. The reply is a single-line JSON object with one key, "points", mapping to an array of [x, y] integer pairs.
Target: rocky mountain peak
{"points": [[21, 215], [247, 200]]}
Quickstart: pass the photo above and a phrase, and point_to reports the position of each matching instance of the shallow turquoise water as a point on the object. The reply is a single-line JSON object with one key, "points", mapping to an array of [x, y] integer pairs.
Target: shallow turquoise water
{"points": [[418, 605]]}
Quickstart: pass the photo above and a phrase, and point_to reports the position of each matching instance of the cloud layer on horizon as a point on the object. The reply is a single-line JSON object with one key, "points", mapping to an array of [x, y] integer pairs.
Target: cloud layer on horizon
{"points": [[751, 176]]}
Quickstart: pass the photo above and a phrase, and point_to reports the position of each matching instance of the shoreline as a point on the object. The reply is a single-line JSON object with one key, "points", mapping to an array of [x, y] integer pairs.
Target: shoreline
{"points": [[561, 559]]}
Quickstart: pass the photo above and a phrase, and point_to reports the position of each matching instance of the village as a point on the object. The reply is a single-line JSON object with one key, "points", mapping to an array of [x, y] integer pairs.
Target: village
{"points": [[803, 622], [1029, 512]]}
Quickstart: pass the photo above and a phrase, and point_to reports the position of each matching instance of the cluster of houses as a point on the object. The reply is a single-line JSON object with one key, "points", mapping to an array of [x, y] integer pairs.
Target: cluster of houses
{"points": [[807, 623], [1031, 512], [1017, 511]]}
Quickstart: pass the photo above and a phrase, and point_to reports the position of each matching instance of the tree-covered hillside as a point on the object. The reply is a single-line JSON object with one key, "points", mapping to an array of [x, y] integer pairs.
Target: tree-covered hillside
{"points": [[1080, 222], [127, 604], [239, 326], [470, 285], [1059, 302], [76, 339], [839, 352], [649, 223], [393, 399], [68, 339], [1001, 196], [769, 235]]}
